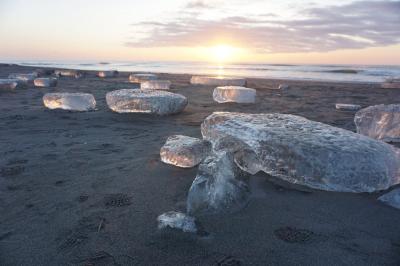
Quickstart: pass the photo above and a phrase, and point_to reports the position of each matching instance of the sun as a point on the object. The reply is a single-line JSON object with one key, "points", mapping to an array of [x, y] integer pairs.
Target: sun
{"points": [[222, 53]]}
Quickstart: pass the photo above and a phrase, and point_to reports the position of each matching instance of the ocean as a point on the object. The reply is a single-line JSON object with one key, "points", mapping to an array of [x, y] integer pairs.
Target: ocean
{"points": [[342, 73]]}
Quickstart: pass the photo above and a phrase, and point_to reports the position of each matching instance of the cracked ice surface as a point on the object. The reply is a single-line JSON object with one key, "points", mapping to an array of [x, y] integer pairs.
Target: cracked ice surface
{"points": [[70, 101], [155, 85], [304, 152], [218, 81], [234, 94], [184, 151], [151, 101], [139, 78], [177, 220], [392, 198], [45, 82], [379, 122], [219, 186]]}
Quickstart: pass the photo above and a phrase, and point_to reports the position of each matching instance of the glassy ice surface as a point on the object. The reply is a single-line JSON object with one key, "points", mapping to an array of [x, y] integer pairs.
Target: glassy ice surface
{"points": [[150, 101], [107, 74], [218, 81], [391, 198], [379, 122], [23, 78], [45, 82], [177, 220], [70, 101], [219, 186], [184, 151], [283, 87], [139, 78], [8, 84], [347, 107], [234, 94], [305, 152], [155, 85]]}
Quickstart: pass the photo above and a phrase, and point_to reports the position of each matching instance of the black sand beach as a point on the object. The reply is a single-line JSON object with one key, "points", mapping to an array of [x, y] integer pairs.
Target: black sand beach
{"points": [[86, 188]]}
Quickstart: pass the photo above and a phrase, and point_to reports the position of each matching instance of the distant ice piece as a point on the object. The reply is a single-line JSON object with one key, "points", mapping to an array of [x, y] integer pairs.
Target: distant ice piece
{"points": [[44, 72], [234, 94], [177, 220], [219, 186], [107, 74], [68, 73], [70, 101], [8, 84], [45, 82], [139, 78], [218, 81], [392, 198], [379, 122], [23, 78], [348, 107], [155, 85], [140, 101], [393, 83], [184, 151], [283, 87]]}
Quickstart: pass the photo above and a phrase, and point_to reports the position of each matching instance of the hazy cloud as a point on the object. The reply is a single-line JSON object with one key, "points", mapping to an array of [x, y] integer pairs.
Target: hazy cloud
{"points": [[198, 4], [356, 25]]}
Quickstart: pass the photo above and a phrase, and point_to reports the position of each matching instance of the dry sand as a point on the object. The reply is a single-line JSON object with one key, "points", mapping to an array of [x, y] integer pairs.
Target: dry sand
{"points": [[86, 188]]}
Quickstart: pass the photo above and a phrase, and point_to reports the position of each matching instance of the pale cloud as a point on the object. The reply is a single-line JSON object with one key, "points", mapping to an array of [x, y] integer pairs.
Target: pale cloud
{"points": [[354, 25]]}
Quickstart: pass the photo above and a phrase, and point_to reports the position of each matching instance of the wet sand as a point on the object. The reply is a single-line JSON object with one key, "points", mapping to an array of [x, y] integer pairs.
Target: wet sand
{"points": [[86, 188]]}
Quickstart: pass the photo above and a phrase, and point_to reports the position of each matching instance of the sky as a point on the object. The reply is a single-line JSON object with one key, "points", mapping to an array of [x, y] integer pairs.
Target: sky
{"points": [[301, 31]]}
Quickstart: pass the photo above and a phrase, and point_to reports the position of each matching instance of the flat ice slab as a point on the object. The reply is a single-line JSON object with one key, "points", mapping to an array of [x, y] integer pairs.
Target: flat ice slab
{"points": [[149, 101], [8, 84], [107, 74], [348, 107], [218, 81], [155, 85], [184, 151], [45, 82], [379, 122], [177, 220], [392, 198], [139, 78], [70, 101], [234, 94], [304, 152]]}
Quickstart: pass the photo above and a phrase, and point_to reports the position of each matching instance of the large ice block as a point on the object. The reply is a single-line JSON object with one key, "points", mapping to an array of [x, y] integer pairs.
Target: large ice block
{"points": [[150, 101], [218, 81], [8, 84], [70, 101], [220, 186], [139, 78], [234, 94], [155, 85], [347, 107], [184, 151], [304, 152], [177, 220], [379, 122], [107, 74], [45, 82]]}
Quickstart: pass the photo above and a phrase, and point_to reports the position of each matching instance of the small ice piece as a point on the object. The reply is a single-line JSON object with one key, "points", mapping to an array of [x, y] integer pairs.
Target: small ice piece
{"points": [[392, 198], [380, 122], [155, 85], [139, 78], [218, 81], [348, 107], [107, 74], [45, 82], [68, 73], [23, 78], [283, 87], [234, 94], [44, 72], [8, 84], [70, 101], [219, 186], [177, 220], [184, 151], [392, 83], [150, 101]]}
